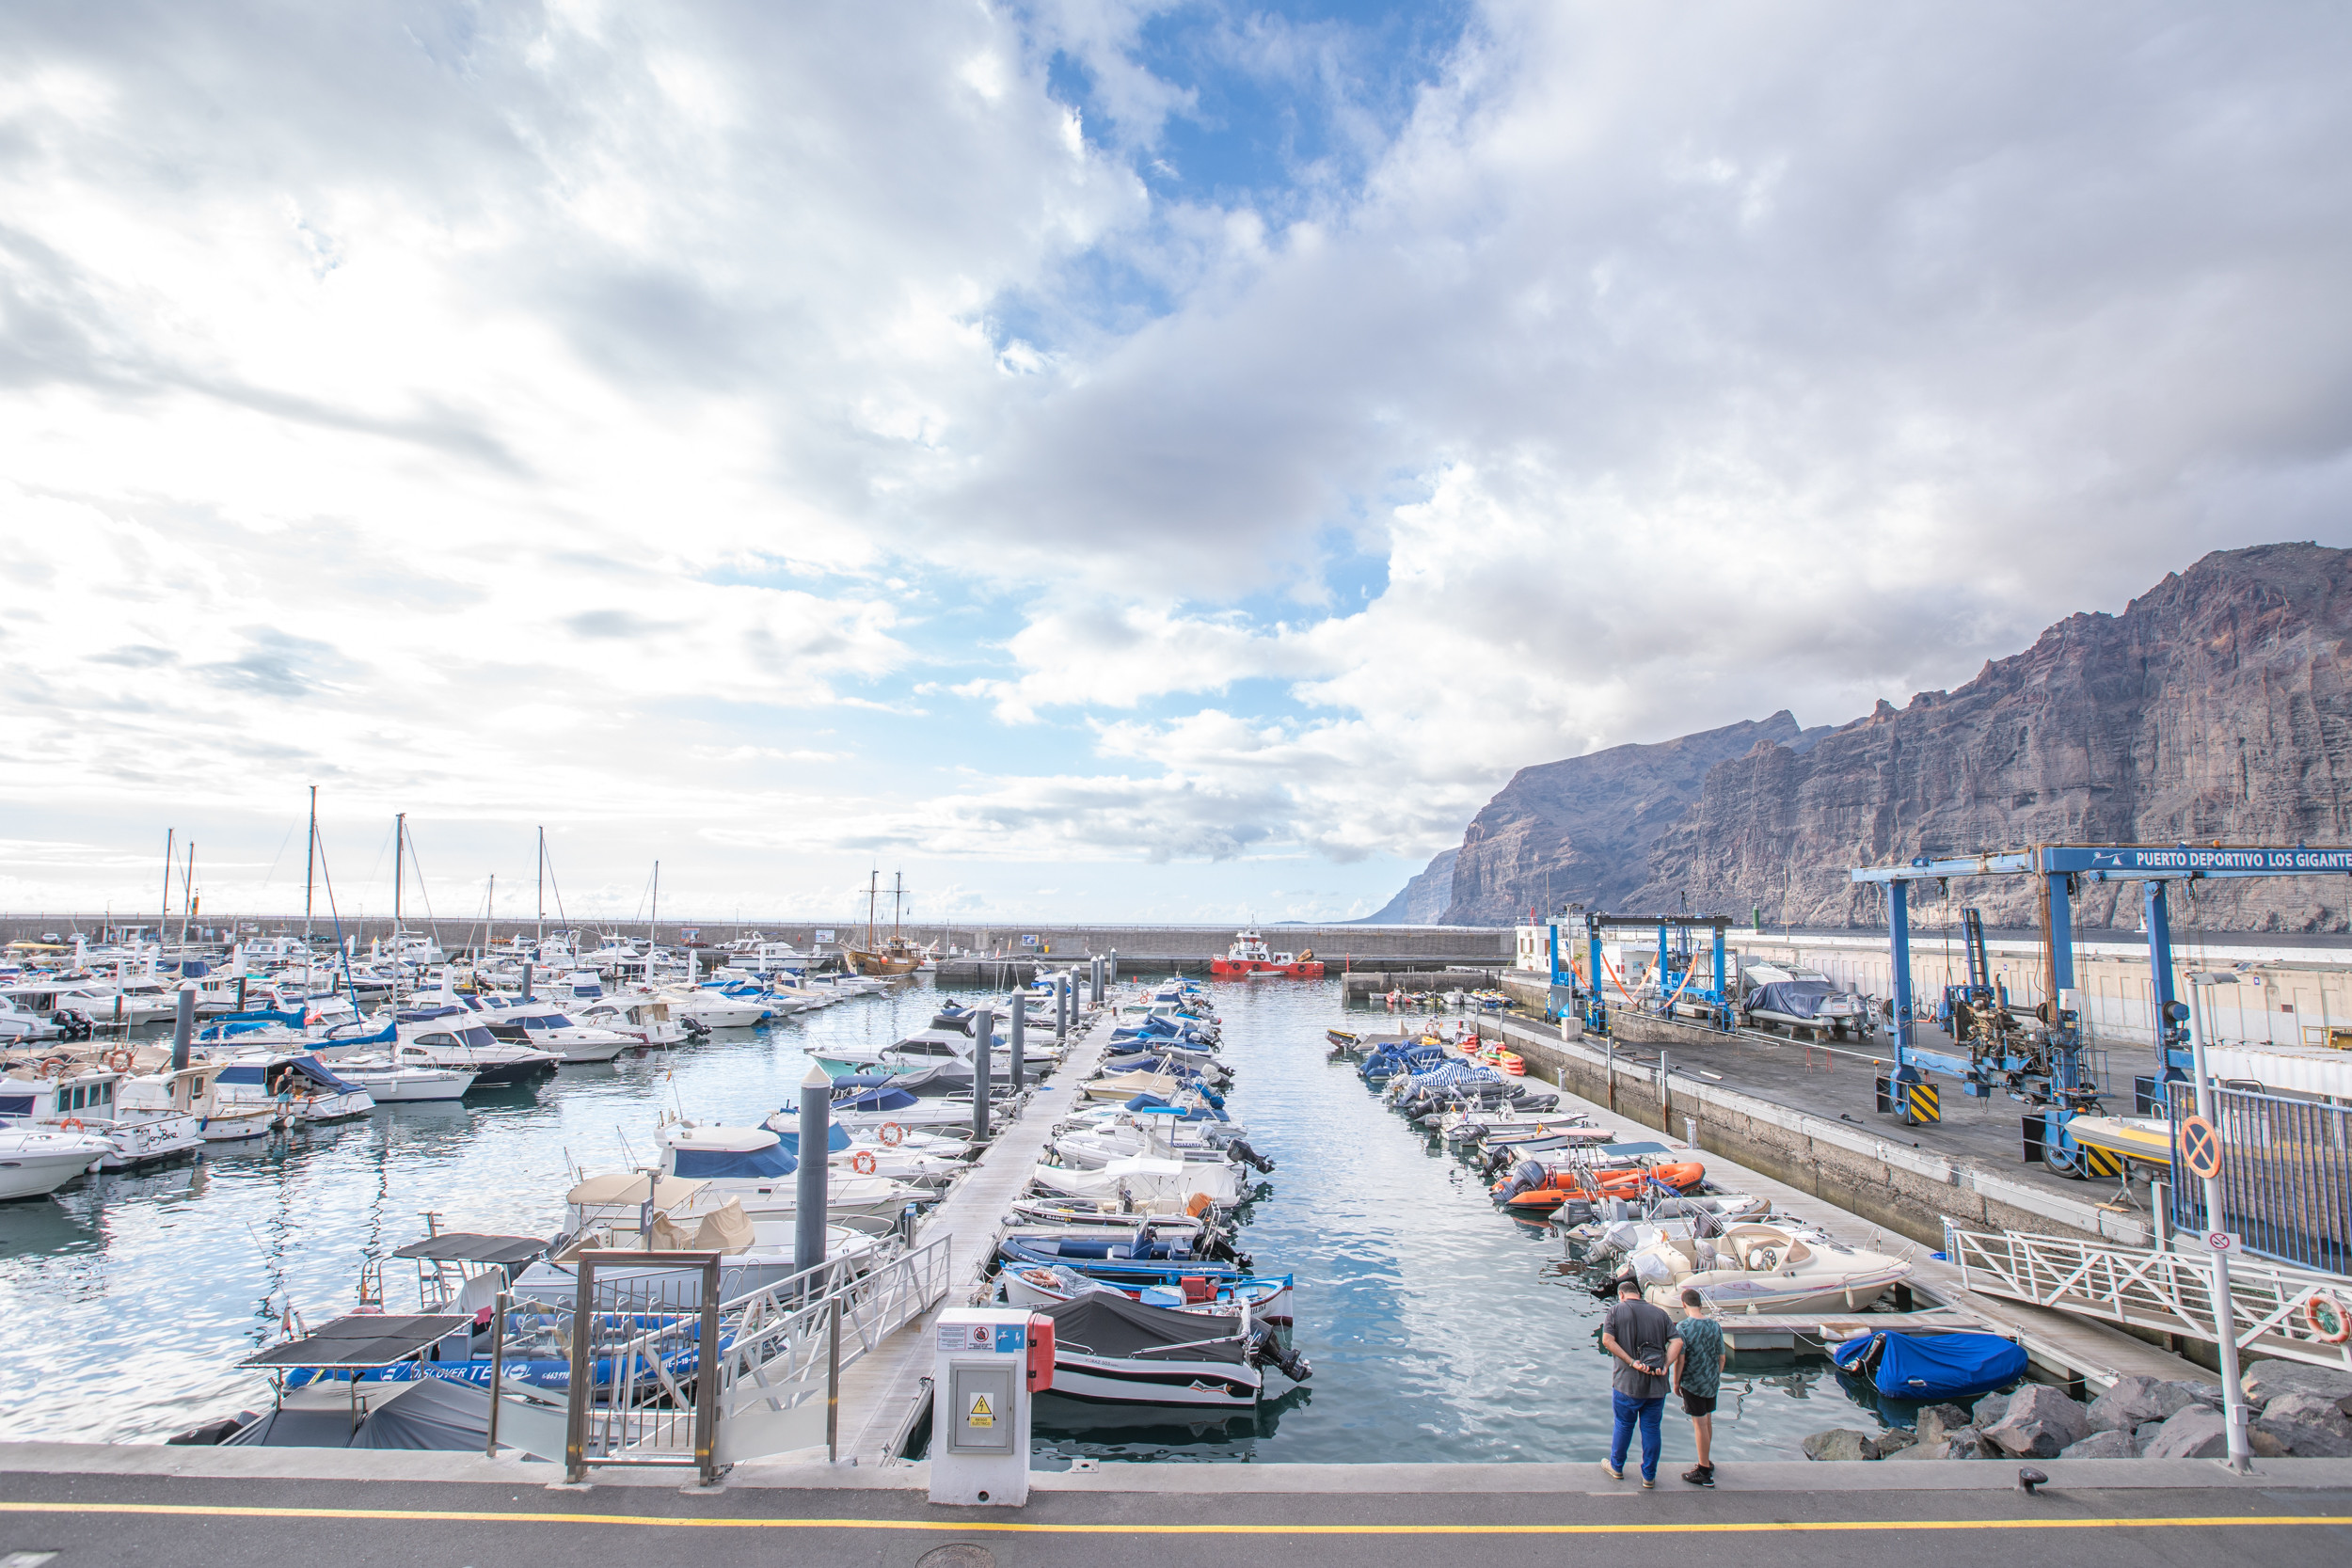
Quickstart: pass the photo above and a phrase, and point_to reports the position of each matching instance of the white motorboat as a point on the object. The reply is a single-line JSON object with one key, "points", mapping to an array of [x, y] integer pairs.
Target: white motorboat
{"points": [[137, 1116], [643, 1018], [1756, 1267], [456, 1042], [1802, 1001], [544, 1029], [1143, 1177], [715, 1010], [34, 1163], [389, 1082], [750, 1165], [1109, 1350], [293, 1087]]}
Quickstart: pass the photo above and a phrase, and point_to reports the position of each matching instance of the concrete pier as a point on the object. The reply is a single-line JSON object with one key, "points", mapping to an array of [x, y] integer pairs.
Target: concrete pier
{"points": [[879, 1392]]}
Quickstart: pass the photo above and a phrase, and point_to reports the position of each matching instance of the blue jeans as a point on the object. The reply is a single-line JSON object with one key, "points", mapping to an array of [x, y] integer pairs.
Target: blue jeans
{"points": [[1628, 1410]]}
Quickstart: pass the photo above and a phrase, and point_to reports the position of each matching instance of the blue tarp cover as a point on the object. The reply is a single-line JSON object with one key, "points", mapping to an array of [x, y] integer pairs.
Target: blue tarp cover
{"points": [[1927, 1368], [1794, 998], [836, 1139], [754, 1165]]}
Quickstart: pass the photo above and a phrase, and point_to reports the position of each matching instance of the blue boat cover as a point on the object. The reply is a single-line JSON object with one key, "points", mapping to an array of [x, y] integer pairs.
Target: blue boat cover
{"points": [[1791, 998], [836, 1139], [1927, 1368], [740, 1164]]}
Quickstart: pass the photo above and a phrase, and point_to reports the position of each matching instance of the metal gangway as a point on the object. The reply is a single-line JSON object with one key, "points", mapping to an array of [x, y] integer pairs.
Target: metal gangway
{"points": [[637, 1395], [2273, 1308]]}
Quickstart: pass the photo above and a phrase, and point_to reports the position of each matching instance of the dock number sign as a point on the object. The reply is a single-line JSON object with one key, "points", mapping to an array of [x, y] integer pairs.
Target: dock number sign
{"points": [[2200, 1148]]}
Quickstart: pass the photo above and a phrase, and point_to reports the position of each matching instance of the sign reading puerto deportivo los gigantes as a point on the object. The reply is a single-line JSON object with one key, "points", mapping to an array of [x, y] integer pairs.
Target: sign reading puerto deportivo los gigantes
{"points": [[2186, 860]]}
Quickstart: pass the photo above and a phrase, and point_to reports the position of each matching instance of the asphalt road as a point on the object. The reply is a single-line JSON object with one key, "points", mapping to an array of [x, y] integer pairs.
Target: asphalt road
{"points": [[166, 1522]]}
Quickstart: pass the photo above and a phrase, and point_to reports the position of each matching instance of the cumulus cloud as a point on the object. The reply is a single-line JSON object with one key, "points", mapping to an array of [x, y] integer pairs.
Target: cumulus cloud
{"points": [[555, 411]]}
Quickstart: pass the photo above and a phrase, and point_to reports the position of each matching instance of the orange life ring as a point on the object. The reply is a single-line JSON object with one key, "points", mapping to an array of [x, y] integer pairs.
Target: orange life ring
{"points": [[2321, 1306], [863, 1162], [73, 1124], [53, 1068], [892, 1134], [119, 1060]]}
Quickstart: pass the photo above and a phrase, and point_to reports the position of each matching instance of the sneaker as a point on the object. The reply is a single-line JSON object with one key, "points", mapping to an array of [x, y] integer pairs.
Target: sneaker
{"points": [[1703, 1476], [1611, 1471], [1650, 1483]]}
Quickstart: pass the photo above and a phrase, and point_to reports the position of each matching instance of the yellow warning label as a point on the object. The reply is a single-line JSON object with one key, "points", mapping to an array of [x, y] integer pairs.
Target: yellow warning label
{"points": [[979, 1414]]}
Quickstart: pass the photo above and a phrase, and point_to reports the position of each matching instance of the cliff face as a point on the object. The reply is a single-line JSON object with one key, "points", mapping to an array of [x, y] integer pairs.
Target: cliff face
{"points": [[2218, 706], [1581, 831], [1422, 901]]}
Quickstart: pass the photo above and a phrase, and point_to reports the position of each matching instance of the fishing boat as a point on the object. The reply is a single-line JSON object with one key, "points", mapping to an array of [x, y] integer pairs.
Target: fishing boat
{"points": [[1249, 958]]}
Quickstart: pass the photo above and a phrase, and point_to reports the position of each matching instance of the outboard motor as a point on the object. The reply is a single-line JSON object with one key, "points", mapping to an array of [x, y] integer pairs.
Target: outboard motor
{"points": [[1265, 1347], [1529, 1176], [1239, 1150]]}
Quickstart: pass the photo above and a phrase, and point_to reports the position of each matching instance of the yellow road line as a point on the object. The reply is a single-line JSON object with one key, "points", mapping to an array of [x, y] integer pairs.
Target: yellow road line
{"points": [[657, 1521]]}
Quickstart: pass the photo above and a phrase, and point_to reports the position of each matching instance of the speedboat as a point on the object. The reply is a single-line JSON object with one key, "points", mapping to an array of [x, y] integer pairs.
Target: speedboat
{"points": [[751, 1165], [292, 1089], [544, 1029], [1144, 1176], [1756, 1267], [449, 1038], [1802, 1001], [1112, 1350], [34, 1163], [1270, 1301], [715, 1008], [389, 1083]]}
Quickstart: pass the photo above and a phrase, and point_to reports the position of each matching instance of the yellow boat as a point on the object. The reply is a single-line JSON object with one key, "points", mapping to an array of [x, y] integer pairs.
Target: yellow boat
{"points": [[2145, 1138]]}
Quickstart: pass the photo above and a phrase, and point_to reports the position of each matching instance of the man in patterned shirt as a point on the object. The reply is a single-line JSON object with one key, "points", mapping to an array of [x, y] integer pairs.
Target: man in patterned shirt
{"points": [[1696, 1362]]}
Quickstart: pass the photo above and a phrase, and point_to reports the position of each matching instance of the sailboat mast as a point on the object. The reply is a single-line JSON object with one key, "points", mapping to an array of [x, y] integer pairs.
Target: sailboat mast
{"points": [[162, 921], [543, 886], [188, 892], [310, 864], [490, 915], [653, 919], [873, 895], [400, 841], [897, 904]]}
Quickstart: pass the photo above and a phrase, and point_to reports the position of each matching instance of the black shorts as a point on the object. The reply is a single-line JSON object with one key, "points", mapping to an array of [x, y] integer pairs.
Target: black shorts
{"points": [[1698, 1405]]}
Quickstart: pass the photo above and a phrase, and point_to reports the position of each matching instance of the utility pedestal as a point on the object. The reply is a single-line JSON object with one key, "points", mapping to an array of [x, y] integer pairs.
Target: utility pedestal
{"points": [[991, 1362]]}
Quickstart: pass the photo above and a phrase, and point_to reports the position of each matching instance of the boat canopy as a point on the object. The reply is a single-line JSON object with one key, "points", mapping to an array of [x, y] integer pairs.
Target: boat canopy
{"points": [[362, 1340], [301, 1063], [472, 1246], [836, 1139], [632, 1188], [1099, 1323], [738, 1153]]}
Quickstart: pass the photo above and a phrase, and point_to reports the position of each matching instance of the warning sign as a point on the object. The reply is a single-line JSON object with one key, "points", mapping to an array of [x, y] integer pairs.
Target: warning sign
{"points": [[979, 1414], [2200, 1148]]}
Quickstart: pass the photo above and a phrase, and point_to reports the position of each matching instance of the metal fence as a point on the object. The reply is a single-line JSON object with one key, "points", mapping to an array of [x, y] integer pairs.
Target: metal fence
{"points": [[779, 1386], [2170, 1292], [2286, 1175], [640, 1324]]}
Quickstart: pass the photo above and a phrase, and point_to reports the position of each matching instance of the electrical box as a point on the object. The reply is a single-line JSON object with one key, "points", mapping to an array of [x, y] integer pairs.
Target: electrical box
{"points": [[991, 1362]]}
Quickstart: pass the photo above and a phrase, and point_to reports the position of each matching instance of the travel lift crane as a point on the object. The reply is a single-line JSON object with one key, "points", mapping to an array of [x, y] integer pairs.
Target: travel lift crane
{"points": [[2041, 1065], [1678, 977]]}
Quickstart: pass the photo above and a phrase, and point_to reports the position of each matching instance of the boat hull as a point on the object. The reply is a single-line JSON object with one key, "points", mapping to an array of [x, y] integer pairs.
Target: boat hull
{"points": [[1160, 1381], [1243, 969]]}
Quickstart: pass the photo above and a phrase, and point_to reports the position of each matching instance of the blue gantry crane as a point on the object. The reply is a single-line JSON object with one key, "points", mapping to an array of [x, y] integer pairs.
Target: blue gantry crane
{"points": [[1697, 985], [2041, 1064]]}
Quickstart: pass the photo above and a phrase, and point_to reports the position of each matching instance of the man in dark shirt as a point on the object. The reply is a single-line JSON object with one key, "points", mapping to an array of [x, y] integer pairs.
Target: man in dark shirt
{"points": [[1636, 1333]]}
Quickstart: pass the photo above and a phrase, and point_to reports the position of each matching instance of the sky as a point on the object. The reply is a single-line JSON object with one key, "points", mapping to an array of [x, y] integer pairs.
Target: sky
{"points": [[1098, 460]]}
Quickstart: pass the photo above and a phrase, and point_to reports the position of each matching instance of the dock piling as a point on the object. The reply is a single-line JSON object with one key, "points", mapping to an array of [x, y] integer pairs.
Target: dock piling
{"points": [[183, 1026], [1020, 1038], [983, 1047], [809, 1214]]}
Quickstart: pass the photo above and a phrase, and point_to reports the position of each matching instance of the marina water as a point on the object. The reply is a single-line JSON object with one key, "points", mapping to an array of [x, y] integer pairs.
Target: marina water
{"points": [[1440, 1330]]}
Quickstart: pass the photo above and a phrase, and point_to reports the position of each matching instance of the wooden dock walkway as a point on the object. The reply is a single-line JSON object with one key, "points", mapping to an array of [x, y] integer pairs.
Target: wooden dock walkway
{"points": [[879, 1391]]}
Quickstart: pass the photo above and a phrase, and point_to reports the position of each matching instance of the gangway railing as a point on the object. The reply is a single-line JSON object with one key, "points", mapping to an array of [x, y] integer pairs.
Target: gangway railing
{"points": [[2165, 1291], [782, 1349], [780, 1386]]}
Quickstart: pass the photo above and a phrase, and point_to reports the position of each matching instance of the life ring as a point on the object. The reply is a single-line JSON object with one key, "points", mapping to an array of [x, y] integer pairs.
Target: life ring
{"points": [[73, 1124], [2326, 1318], [892, 1134], [119, 1061], [53, 1068], [863, 1162]]}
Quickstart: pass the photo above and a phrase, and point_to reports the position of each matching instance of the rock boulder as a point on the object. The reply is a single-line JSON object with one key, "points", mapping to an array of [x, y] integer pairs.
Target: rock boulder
{"points": [[2106, 1444], [2131, 1403], [2195, 1432], [2265, 1380], [1891, 1442], [2308, 1426], [1935, 1421], [2040, 1423], [1839, 1443], [2173, 1398]]}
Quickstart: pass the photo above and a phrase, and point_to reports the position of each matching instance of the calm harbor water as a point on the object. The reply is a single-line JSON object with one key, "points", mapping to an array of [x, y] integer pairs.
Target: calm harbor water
{"points": [[1440, 1330]]}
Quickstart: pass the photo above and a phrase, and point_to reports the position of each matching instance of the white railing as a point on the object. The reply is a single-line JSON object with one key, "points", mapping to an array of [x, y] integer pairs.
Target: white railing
{"points": [[780, 1384], [2170, 1292]]}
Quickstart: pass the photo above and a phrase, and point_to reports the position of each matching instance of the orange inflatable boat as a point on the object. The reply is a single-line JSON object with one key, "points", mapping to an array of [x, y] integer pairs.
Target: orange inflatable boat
{"points": [[1512, 1192]]}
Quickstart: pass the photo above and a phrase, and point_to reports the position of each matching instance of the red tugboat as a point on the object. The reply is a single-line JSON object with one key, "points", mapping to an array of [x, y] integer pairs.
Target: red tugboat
{"points": [[1249, 957]]}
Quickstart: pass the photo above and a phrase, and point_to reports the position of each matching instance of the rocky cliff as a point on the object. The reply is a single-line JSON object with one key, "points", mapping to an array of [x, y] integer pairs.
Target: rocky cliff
{"points": [[2218, 706], [1579, 831], [1422, 901]]}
